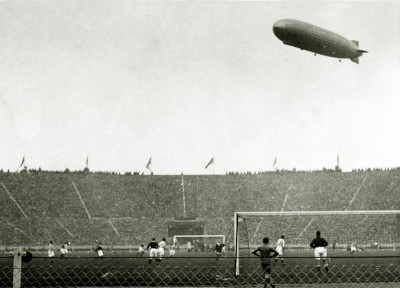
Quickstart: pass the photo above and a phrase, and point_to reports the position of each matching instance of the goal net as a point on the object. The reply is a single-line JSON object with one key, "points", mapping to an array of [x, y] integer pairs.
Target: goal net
{"points": [[376, 229]]}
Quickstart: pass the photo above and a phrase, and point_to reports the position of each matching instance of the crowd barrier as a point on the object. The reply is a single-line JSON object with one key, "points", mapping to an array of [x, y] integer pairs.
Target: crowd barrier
{"points": [[79, 273]]}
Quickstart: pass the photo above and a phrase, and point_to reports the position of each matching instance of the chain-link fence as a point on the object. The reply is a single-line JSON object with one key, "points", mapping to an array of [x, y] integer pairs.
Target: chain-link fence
{"points": [[130, 271]]}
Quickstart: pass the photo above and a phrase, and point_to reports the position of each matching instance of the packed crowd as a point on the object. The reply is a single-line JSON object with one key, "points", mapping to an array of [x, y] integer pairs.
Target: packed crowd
{"points": [[121, 209]]}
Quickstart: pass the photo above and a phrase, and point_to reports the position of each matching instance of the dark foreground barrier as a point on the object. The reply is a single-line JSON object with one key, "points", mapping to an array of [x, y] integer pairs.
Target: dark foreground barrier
{"points": [[207, 271]]}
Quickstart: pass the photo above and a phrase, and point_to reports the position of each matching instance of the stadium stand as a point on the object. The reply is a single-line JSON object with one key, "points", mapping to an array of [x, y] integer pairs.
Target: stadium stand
{"points": [[130, 209]]}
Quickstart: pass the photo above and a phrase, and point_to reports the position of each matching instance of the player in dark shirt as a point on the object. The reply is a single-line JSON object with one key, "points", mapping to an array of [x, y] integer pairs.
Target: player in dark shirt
{"points": [[153, 245], [218, 249], [264, 253], [319, 244], [99, 251]]}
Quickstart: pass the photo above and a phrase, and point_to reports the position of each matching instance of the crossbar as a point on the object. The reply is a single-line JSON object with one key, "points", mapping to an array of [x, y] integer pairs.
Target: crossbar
{"points": [[334, 212]]}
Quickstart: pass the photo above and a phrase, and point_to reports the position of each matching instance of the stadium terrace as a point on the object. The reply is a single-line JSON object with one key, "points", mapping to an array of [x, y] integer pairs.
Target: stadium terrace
{"points": [[126, 209]]}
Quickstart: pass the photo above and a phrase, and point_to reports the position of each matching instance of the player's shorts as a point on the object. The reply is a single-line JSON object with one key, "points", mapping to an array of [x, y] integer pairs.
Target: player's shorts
{"points": [[171, 252], [266, 268], [161, 252], [153, 252], [50, 253], [353, 249], [63, 251], [279, 249], [100, 253], [320, 252]]}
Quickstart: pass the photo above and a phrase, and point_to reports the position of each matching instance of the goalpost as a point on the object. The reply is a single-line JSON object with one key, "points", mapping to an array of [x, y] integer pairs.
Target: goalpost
{"points": [[299, 227]]}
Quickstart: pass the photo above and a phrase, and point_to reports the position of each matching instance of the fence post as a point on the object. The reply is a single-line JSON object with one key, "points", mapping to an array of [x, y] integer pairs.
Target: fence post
{"points": [[17, 275]]}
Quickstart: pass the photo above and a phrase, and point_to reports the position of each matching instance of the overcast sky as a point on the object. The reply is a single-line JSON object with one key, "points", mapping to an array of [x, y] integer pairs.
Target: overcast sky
{"points": [[185, 81]]}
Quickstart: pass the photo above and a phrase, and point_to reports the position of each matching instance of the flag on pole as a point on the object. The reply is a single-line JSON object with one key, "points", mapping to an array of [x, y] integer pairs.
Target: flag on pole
{"points": [[274, 164], [148, 164], [87, 161], [337, 160], [209, 163], [22, 163]]}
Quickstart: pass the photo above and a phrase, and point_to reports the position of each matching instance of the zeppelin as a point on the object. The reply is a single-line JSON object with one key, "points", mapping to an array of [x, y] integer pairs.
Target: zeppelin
{"points": [[315, 39]]}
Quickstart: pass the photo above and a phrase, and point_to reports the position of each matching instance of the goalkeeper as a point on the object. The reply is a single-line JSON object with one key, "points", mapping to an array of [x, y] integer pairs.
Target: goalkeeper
{"points": [[319, 244], [265, 256]]}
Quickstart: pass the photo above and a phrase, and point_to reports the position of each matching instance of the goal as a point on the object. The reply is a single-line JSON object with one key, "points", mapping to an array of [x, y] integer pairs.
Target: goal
{"points": [[204, 238], [364, 227]]}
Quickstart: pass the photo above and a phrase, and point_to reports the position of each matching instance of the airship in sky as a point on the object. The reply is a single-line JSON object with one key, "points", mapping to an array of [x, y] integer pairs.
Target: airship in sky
{"points": [[316, 39]]}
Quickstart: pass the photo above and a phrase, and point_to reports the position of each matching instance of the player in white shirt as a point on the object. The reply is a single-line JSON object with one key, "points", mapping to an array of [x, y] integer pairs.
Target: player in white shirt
{"points": [[161, 248], [280, 244], [50, 252], [353, 247], [64, 249], [141, 250], [172, 250]]}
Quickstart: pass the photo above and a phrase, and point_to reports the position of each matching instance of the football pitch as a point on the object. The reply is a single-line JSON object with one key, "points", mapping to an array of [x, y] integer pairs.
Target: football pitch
{"points": [[374, 268]]}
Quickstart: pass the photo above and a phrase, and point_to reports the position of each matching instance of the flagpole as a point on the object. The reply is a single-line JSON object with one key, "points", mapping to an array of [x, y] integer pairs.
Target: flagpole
{"points": [[22, 163], [148, 166], [184, 200], [211, 162]]}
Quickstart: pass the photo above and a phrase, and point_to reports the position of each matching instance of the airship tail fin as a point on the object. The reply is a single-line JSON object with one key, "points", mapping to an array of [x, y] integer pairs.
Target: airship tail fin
{"points": [[355, 42], [355, 60]]}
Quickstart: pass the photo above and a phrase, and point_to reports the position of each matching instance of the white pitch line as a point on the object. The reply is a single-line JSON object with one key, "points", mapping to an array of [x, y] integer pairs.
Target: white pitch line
{"points": [[62, 226], [255, 232], [113, 227], [284, 202], [305, 229], [286, 197], [358, 190], [13, 199], [22, 232], [365, 218], [80, 197]]}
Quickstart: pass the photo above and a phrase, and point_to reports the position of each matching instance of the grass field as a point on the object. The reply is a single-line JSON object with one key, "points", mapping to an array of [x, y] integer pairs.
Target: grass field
{"points": [[375, 268]]}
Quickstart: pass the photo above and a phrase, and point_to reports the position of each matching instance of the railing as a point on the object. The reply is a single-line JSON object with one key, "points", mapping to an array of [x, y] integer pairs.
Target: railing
{"points": [[197, 272]]}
